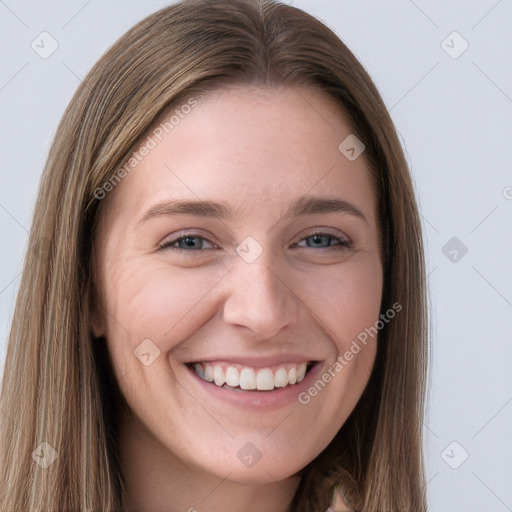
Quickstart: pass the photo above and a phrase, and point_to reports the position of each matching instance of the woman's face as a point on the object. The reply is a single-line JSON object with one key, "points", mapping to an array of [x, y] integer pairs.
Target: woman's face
{"points": [[278, 270]]}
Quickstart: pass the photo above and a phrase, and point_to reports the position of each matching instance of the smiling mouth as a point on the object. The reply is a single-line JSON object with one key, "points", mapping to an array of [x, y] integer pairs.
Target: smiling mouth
{"points": [[238, 377]]}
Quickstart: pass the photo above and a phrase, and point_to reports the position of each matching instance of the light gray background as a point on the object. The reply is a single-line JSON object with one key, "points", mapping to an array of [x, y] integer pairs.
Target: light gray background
{"points": [[454, 116]]}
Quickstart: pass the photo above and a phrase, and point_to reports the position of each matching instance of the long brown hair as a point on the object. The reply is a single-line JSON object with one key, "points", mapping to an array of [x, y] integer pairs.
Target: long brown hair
{"points": [[57, 386]]}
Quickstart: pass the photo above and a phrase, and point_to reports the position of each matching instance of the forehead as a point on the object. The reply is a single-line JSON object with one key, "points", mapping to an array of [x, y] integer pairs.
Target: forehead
{"points": [[251, 147]]}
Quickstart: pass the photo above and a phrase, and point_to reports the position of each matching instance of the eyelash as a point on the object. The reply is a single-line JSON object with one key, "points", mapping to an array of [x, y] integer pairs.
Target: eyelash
{"points": [[341, 245]]}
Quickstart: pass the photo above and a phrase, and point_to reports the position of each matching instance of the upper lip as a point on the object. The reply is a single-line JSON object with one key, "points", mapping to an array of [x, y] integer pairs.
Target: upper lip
{"points": [[256, 362]]}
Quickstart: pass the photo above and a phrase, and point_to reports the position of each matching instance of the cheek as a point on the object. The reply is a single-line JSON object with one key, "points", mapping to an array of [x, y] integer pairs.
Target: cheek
{"points": [[156, 302], [346, 302], [345, 298]]}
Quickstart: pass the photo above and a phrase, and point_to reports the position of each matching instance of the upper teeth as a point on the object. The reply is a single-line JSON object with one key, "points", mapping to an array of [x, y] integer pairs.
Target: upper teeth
{"points": [[262, 379]]}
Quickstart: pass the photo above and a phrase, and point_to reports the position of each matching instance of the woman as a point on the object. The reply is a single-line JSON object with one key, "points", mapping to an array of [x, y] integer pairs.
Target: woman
{"points": [[189, 346]]}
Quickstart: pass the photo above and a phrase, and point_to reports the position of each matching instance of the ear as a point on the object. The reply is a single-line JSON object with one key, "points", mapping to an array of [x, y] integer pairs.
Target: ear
{"points": [[96, 318], [96, 312], [96, 323]]}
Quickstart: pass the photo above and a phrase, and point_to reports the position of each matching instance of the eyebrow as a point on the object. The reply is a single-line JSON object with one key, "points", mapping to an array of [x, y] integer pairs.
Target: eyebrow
{"points": [[305, 205]]}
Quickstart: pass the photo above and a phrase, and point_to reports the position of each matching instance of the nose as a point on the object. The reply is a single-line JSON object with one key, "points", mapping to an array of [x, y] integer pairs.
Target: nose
{"points": [[259, 297]]}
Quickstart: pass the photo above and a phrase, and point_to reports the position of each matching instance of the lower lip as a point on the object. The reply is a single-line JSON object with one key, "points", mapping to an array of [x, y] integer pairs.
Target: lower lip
{"points": [[275, 399]]}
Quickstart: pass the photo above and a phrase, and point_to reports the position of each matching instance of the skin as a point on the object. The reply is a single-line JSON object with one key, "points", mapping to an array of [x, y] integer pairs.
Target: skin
{"points": [[247, 147]]}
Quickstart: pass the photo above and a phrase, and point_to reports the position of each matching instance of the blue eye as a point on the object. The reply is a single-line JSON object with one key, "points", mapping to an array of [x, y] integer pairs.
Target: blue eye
{"points": [[325, 237], [194, 242]]}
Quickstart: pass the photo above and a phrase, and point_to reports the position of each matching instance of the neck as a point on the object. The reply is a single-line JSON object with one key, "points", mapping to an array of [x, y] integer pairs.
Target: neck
{"points": [[158, 481]]}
